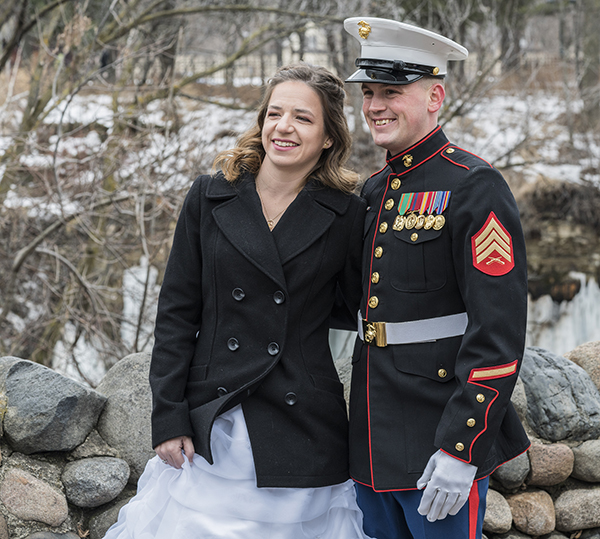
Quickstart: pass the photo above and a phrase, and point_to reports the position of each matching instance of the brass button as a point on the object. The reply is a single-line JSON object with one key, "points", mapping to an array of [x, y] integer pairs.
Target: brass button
{"points": [[414, 236], [442, 373], [471, 422], [407, 160], [480, 397], [460, 446], [450, 150], [375, 277], [435, 71], [378, 252], [383, 228], [396, 183], [373, 302], [389, 203]]}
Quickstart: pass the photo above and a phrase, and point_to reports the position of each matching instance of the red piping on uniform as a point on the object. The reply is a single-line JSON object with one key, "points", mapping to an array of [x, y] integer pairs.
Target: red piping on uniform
{"points": [[455, 163], [421, 162], [389, 490], [486, 416]]}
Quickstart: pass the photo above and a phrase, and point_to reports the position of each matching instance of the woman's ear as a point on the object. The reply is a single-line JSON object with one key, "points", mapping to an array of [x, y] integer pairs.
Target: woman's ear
{"points": [[437, 93], [328, 144]]}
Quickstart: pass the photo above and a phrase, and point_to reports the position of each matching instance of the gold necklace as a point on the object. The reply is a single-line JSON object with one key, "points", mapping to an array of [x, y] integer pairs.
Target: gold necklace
{"points": [[271, 220]]}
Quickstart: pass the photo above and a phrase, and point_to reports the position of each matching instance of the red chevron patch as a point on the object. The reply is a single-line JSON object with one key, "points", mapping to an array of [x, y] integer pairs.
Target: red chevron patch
{"points": [[492, 248]]}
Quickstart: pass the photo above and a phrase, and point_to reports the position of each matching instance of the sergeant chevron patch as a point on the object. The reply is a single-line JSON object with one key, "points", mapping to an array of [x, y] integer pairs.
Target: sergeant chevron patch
{"points": [[492, 248]]}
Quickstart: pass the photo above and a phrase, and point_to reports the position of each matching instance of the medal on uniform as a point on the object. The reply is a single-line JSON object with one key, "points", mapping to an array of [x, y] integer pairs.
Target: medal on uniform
{"points": [[429, 220], [411, 221], [420, 222], [398, 223], [439, 222]]}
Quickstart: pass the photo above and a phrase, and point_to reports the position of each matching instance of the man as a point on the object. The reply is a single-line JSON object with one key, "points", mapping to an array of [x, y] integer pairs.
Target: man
{"points": [[443, 316]]}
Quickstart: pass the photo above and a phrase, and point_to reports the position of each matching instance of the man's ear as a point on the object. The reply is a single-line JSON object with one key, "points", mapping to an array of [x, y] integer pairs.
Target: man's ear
{"points": [[437, 93]]}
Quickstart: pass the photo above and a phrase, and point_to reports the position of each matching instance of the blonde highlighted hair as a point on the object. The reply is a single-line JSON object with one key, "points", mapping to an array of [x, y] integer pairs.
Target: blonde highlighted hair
{"points": [[248, 153]]}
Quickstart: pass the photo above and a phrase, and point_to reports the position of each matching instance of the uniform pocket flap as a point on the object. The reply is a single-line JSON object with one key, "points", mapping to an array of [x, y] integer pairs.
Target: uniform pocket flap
{"points": [[415, 237]]}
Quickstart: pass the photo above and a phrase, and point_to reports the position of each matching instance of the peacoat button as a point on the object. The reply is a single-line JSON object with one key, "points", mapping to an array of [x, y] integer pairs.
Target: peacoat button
{"points": [[480, 397], [389, 203], [396, 183], [279, 297], [373, 302], [442, 373], [238, 294], [291, 398], [471, 422], [375, 277], [221, 391], [383, 228], [460, 446], [273, 348], [378, 252], [233, 344]]}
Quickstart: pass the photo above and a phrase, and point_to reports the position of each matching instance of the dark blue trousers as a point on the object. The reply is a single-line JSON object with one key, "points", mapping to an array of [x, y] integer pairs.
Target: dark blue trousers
{"points": [[393, 515]]}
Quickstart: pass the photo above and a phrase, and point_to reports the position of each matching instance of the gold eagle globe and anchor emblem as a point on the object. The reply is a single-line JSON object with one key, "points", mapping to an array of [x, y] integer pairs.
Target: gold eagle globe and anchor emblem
{"points": [[364, 30]]}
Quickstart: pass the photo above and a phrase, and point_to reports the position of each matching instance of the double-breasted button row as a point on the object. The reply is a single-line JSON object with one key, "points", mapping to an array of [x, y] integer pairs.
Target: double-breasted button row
{"points": [[239, 294], [272, 348]]}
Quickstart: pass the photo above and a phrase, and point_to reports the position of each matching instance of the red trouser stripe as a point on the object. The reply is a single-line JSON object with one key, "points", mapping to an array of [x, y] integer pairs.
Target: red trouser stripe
{"points": [[473, 510]]}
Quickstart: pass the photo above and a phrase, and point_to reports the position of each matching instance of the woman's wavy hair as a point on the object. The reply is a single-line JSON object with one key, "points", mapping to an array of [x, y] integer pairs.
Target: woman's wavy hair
{"points": [[248, 153]]}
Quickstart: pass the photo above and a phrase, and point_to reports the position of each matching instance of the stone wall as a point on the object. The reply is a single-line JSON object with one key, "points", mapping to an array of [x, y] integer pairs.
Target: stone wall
{"points": [[71, 456]]}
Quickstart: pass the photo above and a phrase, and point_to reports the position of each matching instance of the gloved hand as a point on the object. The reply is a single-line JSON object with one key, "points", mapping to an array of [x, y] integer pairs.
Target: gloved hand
{"points": [[448, 483]]}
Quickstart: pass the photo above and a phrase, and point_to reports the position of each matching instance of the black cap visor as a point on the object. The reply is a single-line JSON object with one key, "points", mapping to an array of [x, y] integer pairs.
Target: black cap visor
{"points": [[389, 71]]}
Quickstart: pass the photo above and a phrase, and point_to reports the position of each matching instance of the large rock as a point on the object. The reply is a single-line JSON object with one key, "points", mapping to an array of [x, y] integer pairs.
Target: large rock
{"points": [[563, 402], [578, 509], [587, 459], [125, 420], [587, 356], [551, 464], [29, 498], [533, 512], [513, 473], [498, 517], [95, 481], [45, 411]]}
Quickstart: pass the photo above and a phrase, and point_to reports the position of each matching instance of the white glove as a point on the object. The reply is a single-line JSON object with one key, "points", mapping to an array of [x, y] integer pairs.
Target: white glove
{"points": [[448, 481]]}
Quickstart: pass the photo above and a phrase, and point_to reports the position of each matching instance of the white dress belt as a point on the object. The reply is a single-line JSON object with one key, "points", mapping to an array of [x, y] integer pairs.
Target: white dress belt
{"points": [[415, 331]]}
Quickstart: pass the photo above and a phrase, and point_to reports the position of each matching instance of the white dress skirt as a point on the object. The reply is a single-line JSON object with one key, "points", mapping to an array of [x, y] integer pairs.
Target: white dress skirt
{"points": [[222, 501]]}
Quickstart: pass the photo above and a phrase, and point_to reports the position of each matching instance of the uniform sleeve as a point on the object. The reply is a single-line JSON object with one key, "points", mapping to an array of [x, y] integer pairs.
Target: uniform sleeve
{"points": [[349, 290], [177, 325], [490, 264]]}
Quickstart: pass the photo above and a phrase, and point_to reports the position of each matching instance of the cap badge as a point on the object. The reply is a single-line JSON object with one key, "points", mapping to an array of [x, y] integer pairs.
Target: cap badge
{"points": [[364, 30], [436, 70]]}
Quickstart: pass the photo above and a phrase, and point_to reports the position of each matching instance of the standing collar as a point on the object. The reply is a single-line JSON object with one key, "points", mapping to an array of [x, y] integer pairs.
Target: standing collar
{"points": [[417, 154]]}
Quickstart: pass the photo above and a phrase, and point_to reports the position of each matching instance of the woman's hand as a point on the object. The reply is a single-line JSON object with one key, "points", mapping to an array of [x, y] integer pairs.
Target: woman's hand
{"points": [[170, 451]]}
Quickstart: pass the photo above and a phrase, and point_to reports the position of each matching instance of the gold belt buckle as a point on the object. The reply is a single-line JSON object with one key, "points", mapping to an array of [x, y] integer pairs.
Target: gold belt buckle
{"points": [[375, 333]]}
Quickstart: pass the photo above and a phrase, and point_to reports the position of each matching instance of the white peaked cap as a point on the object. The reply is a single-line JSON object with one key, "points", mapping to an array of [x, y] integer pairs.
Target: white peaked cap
{"points": [[389, 40]]}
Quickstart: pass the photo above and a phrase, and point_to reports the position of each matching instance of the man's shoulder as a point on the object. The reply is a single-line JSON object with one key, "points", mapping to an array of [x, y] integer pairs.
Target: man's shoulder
{"points": [[457, 156]]}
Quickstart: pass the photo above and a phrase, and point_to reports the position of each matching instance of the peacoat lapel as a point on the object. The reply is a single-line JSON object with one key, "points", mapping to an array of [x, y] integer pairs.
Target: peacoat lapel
{"points": [[241, 220], [307, 218]]}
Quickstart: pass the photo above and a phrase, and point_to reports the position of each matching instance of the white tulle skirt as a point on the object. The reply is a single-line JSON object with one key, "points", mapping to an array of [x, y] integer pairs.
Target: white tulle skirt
{"points": [[203, 501]]}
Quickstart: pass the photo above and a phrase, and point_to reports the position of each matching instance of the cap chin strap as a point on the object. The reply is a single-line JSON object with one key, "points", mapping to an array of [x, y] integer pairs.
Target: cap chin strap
{"points": [[397, 66]]}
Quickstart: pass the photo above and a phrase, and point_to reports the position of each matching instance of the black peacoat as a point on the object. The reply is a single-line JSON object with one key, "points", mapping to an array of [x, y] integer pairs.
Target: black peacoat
{"points": [[433, 391], [244, 316]]}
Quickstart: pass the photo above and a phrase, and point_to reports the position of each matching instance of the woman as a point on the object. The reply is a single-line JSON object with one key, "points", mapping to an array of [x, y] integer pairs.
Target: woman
{"points": [[241, 370]]}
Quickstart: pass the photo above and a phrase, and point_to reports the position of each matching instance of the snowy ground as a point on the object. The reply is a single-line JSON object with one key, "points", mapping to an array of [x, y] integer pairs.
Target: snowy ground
{"points": [[521, 132]]}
